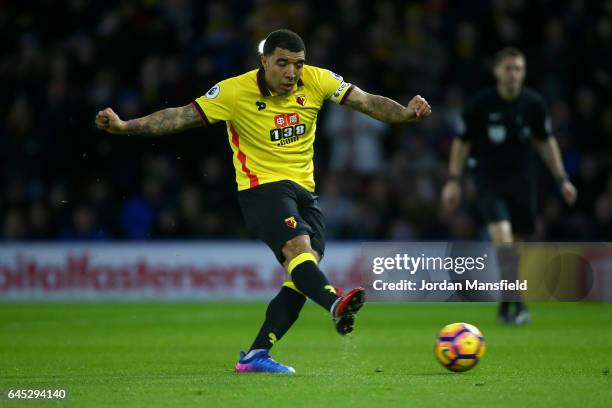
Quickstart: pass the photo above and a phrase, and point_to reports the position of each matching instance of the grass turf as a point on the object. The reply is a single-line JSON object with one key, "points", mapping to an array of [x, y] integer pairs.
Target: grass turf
{"points": [[182, 355]]}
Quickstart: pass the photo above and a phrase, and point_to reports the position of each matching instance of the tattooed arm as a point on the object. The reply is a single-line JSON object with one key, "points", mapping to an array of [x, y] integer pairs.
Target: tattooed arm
{"points": [[387, 110], [166, 121]]}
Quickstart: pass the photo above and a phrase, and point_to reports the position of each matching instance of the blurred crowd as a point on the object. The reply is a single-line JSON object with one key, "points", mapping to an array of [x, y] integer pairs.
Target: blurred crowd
{"points": [[62, 61]]}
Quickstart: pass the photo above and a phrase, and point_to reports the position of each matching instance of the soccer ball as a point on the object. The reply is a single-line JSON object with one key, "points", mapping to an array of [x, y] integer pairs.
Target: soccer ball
{"points": [[459, 346]]}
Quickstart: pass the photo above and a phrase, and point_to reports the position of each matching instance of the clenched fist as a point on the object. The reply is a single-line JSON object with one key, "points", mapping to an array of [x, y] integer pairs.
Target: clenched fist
{"points": [[418, 108], [109, 121]]}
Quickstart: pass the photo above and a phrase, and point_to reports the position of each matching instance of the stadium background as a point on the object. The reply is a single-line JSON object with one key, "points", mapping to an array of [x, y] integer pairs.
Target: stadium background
{"points": [[62, 180]]}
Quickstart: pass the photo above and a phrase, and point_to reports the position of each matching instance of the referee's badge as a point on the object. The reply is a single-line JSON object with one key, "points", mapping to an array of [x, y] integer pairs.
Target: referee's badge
{"points": [[291, 222], [497, 134]]}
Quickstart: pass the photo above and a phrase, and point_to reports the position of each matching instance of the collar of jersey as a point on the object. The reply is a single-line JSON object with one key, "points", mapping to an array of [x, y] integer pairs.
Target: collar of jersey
{"points": [[261, 83]]}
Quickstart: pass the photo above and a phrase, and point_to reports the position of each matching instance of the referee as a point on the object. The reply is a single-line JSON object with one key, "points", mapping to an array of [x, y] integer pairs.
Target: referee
{"points": [[502, 126], [270, 114]]}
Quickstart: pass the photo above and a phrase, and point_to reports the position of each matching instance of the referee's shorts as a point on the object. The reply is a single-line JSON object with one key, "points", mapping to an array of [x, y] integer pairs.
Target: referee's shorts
{"points": [[279, 211], [518, 207]]}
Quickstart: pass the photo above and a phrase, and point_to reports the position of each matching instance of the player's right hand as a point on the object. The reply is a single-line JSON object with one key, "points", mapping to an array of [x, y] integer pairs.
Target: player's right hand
{"points": [[451, 195], [108, 120], [418, 108]]}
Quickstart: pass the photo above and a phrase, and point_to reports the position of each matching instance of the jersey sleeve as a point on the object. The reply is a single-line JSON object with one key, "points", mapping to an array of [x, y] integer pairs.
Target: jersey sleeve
{"points": [[542, 127], [333, 87], [218, 103], [467, 125]]}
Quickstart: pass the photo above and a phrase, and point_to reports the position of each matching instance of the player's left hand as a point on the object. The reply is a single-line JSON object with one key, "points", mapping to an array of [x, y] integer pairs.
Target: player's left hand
{"points": [[569, 192], [418, 108]]}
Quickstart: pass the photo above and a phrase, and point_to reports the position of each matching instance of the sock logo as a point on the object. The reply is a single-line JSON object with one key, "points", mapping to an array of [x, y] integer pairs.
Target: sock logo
{"points": [[291, 222], [272, 338], [330, 288]]}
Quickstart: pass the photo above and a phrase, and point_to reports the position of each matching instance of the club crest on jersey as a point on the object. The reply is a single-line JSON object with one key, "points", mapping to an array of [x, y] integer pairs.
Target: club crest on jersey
{"points": [[301, 100], [291, 222]]}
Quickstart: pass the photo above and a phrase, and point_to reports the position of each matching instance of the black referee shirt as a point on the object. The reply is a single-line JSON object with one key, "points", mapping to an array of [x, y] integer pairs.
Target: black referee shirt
{"points": [[501, 132]]}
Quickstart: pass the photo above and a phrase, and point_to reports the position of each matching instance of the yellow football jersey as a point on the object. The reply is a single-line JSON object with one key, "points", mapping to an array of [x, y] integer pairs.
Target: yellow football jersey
{"points": [[272, 136]]}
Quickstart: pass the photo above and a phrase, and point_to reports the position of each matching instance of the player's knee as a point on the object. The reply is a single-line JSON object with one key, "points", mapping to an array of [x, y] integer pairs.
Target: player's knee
{"points": [[296, 246], [501, 232]]}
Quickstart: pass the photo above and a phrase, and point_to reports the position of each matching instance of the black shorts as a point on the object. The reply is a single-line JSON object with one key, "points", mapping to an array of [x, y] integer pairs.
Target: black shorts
{"points": [[279, 211], [518, 207]]}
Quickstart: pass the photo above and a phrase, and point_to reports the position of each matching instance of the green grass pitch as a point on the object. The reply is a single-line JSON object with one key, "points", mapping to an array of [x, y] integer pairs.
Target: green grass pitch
{"points": [[182, 355]]}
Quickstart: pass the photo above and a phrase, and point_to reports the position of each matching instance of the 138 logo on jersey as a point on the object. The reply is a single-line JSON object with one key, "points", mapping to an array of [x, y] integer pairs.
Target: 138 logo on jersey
{"points": [[287, 129]]}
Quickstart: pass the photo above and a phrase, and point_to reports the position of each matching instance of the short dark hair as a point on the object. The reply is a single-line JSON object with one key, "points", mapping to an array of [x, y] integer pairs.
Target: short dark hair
{"points": [[285, 39], [507, 52]]}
